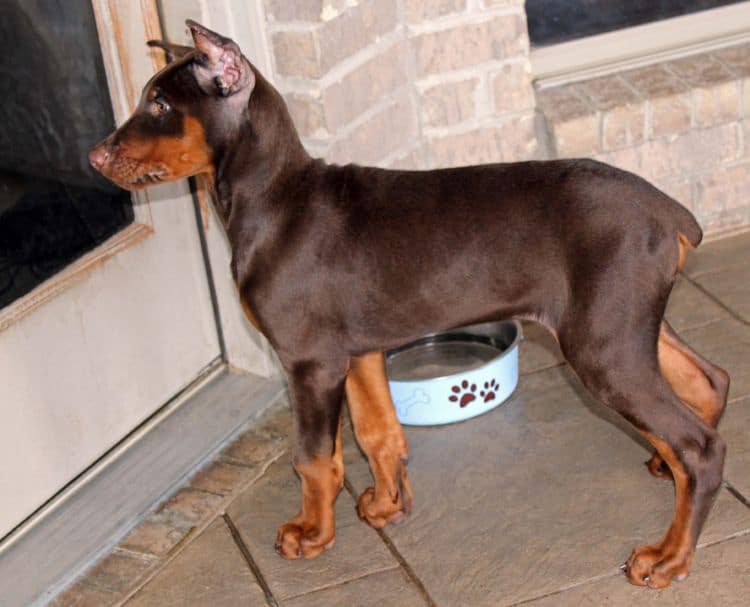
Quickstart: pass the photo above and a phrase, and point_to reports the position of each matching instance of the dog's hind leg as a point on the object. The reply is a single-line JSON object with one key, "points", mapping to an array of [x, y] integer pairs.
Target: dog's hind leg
{"points": [[317, 398], [381, 437], [622, 371], [699, 383]]}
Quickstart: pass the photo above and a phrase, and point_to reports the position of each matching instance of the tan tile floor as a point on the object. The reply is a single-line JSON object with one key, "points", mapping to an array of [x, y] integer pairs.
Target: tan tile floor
{"points": [[536, 502]]}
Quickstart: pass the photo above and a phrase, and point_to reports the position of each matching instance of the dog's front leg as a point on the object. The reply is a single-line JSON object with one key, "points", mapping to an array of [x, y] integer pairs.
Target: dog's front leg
{"points": [[380, 435], [317, 395]]}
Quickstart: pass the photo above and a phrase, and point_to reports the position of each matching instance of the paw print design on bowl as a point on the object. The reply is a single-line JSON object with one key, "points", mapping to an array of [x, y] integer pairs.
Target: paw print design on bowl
{"points": [[463, 394], [489, 392]]}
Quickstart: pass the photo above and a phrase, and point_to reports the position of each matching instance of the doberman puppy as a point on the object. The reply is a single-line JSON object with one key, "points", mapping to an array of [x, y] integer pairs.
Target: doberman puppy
{"points": [[337, 264]]}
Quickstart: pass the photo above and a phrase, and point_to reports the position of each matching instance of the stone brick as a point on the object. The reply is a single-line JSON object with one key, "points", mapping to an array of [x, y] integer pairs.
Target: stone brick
{"points": [[576, 136], [745, 109], [670, 115], [627, 159], [654, 81], [449, 103], [680, 189], [608, 92], [736, 58], [563, 103], [420, 10], [295, 10], [354, 29], [669, 98], [716, 104], [388, 130], [512, 88], [700, 70], [672, 157], [308, 115], [623, 126], [365, 86], [724, 189], [471, 44], [512, 141], [413, 160], [296, 54]]}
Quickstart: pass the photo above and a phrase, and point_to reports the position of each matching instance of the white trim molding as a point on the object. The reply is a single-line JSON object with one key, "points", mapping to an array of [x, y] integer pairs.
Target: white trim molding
{"points": [[641, 45]]}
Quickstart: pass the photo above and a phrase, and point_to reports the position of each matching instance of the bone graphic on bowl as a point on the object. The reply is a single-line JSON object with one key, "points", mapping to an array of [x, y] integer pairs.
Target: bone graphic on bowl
{"points": [[417, 397]]}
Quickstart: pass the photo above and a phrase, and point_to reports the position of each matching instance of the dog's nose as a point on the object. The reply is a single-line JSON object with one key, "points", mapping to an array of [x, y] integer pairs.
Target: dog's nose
{"points": [[98, 156]]}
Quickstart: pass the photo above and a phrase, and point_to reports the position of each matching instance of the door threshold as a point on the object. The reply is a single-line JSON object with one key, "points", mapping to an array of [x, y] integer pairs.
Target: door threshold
{"points": [[97, 509]]}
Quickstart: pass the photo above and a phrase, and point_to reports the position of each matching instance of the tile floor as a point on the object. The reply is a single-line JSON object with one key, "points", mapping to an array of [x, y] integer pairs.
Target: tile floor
{"points": [[534, 503]]}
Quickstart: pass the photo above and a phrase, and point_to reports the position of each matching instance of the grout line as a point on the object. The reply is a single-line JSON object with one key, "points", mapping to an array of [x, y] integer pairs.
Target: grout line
{"points": [[396, 554], [572, 586], [164, 560], [716, 300], [733, 490], [270, 599], [332, 585]]}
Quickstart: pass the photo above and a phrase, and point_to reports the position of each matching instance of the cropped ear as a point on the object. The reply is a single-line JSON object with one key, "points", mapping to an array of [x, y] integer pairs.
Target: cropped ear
{"points": [[221, 61], [172, 51]]}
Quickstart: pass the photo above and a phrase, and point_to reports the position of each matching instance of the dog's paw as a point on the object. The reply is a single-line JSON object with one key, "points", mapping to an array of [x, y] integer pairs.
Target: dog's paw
{"points": [[652, 566], [388, 507], [294, 541], [658, 467]]}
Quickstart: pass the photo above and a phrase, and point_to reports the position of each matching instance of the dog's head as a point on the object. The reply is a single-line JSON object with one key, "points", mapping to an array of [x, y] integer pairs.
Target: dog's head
{"points": [[184, 112]]}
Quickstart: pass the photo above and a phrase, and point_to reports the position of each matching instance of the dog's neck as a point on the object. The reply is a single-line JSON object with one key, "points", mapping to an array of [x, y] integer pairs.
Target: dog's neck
{"points": [[261, 151]]}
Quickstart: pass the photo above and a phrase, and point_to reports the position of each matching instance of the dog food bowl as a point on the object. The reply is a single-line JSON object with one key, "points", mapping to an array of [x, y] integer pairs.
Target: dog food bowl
{"points": [[452, 376]]}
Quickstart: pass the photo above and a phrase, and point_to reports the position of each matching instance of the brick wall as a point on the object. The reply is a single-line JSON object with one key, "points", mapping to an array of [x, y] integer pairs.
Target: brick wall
{"points": [[682, 124], [431, 83], [407, 83]]}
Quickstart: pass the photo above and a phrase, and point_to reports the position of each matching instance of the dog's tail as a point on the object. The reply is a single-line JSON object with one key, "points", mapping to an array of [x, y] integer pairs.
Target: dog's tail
{"points": [[688, 225]]}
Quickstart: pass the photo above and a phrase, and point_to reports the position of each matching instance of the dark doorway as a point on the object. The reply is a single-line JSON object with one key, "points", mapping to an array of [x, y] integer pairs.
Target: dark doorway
{"points": [[54, 105]]}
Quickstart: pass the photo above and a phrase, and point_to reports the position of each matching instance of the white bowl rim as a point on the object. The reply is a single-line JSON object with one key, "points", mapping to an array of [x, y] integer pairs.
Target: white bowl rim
{"points": [[477, 330]]}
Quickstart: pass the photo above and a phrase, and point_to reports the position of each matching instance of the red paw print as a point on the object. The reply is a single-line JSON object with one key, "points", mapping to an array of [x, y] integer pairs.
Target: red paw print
{"points": [[463, 394], [489, 391]]}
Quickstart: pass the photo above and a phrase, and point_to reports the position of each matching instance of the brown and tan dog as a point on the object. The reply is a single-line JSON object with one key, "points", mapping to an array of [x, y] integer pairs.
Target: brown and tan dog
{"points": [[336, 264]]}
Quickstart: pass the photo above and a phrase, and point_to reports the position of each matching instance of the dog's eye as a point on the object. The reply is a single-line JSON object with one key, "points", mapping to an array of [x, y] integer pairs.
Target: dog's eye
{"points": [[160, 106]]}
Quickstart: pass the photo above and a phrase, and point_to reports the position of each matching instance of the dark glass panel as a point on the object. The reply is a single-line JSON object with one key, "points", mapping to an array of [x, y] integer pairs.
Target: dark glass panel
{"points": [[556, 21], [54, 105]]}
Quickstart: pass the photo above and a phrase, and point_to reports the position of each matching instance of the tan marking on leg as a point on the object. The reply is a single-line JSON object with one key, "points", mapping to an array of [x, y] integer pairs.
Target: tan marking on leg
{"points": [[655, 565], [381, 437], [314, 528], [688, 375]]}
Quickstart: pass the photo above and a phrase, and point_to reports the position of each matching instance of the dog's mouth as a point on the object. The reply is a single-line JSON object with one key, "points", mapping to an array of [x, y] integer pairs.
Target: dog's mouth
{"points": [[154, 176]]}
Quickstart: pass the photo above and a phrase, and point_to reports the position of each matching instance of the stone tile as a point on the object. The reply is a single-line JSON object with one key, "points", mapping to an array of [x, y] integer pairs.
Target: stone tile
{"points": [[274, 499], [253, 447], [718, 255], [700, 70], [563, 103], [221, 477], [390, 587], [118, 572], [192, 505], [81, 595], [720, 576], [544, 492], [735, 428], [731, 287], [210, 571], [154, 536], [539, 349], [726, 343], [689, 307]]}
